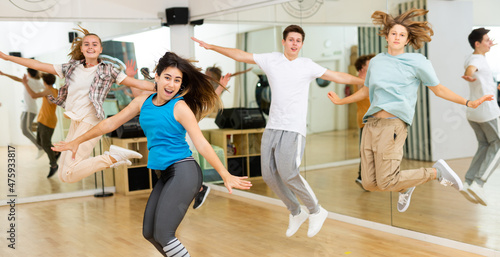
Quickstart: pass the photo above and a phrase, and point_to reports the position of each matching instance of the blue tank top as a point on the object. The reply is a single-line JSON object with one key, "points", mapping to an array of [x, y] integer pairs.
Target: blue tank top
{"points": [[166, 137]]}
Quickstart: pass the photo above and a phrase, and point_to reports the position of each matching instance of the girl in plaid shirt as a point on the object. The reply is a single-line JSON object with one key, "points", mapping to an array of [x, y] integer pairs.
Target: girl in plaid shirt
{"points": [[88, 81]]}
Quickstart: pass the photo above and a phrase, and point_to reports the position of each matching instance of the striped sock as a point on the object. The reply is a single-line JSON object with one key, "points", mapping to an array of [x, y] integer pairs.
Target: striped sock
{"points": [[174, 248]]}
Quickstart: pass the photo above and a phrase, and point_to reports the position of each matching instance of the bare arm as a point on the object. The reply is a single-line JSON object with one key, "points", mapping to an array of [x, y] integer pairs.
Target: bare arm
{"points": [[18, 79], [103, 127], [32, 93], [469, 73], [223, 81], [447, 94], [130, 81], [30, 63], [186, 118], [356, 97], [233, 53], [341, 78]]}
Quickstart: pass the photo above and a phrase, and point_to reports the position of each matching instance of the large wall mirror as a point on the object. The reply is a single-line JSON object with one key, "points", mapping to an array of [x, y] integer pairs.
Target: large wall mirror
{"points": [[331, 158], [337, 31]]}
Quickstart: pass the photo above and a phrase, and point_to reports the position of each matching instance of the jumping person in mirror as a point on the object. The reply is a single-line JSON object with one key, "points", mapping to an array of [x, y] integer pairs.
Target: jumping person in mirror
{"points": [[284, 137], [391, 83]]}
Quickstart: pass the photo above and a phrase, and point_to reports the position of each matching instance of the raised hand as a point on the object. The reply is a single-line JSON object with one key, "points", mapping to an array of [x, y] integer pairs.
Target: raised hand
{"points": [[334, 97], [66, 146], [469, 78], [225, 79], [130, 68], [474, 104], [236, 182], [201, 43], [25, 79]]}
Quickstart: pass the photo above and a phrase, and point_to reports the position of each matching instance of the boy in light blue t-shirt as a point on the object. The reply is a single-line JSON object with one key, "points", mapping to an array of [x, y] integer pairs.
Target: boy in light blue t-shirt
{"points": [[392, 82]]}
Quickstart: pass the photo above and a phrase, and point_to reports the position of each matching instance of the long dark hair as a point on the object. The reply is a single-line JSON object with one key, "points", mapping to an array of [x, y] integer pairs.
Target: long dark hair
{"points": [[196, 87]]}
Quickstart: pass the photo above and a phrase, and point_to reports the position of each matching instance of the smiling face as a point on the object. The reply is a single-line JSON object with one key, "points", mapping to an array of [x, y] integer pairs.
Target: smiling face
{"points": [[169, 83], [91, 47], [397, 39], [292, 45]]}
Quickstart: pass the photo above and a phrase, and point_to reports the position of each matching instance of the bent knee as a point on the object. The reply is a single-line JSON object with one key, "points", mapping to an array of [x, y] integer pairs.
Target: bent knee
{"points": [[370, 186]]}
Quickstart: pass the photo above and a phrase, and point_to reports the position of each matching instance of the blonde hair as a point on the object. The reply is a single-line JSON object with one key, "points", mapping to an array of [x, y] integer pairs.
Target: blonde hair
{"points": [[418, 31], [76, 53]]}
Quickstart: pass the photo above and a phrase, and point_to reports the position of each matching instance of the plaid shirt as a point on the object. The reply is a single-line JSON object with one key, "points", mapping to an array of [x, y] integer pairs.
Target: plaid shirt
{"points": [[105, 77]]}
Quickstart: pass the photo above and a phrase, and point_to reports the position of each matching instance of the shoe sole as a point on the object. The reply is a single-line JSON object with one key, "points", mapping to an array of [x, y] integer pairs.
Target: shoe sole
{"points": [[469, 197], [133, 154], [451, 172], [360, 185], [478, 199], [204, 198], [409, 201]]}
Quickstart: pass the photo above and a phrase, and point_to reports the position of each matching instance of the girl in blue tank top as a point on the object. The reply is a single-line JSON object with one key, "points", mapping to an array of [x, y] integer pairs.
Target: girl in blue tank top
{"points": [[183, 96]]}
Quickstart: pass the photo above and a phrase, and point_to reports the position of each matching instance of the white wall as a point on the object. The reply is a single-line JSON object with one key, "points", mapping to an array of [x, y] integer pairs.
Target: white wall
{"points": [[451, 135]]}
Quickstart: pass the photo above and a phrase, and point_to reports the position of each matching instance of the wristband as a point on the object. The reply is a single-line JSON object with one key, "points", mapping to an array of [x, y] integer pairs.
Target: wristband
{"points": [[467, 103]]}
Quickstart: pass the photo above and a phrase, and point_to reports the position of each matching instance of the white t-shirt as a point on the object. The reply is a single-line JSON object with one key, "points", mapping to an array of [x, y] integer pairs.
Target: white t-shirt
{"points": [[29, 102], [289, 82], [78, 105], [484, 85]]}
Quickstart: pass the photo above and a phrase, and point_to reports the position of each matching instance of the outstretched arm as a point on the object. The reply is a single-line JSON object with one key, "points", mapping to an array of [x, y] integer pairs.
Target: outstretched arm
{"points": [[469, 73], [186, 118], [356, 97], [447, 94], [342, 78], [103, 127], [32, 93], [233, 53], [11, 77], [30, 63]]}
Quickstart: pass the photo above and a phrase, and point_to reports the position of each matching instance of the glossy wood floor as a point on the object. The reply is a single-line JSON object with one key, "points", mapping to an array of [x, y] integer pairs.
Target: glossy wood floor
{"points": [[225, 226]]}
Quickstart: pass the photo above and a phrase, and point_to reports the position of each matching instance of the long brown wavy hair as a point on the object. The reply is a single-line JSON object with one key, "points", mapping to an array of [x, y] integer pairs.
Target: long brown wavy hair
{"points": [[196, 87], [418, 31], [76, 53]]}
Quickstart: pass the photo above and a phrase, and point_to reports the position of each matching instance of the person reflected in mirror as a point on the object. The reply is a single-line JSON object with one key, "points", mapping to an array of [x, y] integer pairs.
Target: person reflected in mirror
{"points": [[88, 81], [30, 108], [47, 119], [361, 65], [183, 95], [484, 120], [284, 137], [392, 83]]}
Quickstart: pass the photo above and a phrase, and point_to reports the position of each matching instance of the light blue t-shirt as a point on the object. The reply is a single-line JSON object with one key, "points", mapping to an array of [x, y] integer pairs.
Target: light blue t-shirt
{"points": [[166, 136], [393, 82]]}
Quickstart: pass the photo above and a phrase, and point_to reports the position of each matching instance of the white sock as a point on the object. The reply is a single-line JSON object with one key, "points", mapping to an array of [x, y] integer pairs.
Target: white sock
{"points": [[174, 248]]}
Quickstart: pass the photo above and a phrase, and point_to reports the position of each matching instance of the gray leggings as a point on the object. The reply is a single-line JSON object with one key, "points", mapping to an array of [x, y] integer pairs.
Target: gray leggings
{"points": [[169, 201], [26, 124]]}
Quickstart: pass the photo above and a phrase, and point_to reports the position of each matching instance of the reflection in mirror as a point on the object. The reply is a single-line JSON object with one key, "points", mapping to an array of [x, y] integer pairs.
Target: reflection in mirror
{"points": [[32, 182], [435, 210]]}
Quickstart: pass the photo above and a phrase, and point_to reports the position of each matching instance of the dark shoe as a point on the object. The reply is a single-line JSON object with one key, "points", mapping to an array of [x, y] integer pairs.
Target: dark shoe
{"points": [[53, 171], [200, 198]]}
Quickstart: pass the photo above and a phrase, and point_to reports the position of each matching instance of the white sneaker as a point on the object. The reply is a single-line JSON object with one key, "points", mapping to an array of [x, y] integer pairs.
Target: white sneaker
{"points": [[121, 155], [467, 195], [295, 222], [448, 176], [316, 221], [478, 192], [40, 153], [404, 199]]}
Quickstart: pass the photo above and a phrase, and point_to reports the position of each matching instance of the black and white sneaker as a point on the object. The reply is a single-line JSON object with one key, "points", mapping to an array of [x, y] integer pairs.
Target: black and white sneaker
{"points": [[200, 198]]}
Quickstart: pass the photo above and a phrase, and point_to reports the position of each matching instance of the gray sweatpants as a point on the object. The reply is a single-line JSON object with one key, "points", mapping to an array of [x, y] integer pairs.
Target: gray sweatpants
{"points": [[27, 119], [281, 154], [487, 156]]}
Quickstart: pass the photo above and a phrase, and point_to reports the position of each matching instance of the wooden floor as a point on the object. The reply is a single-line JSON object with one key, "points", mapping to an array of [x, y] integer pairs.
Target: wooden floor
{"points": [[225, 226]]}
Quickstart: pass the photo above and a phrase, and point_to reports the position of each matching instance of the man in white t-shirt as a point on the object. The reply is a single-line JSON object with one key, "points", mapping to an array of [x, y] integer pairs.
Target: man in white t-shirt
{"points": [[283, 140], [484, 120]]}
